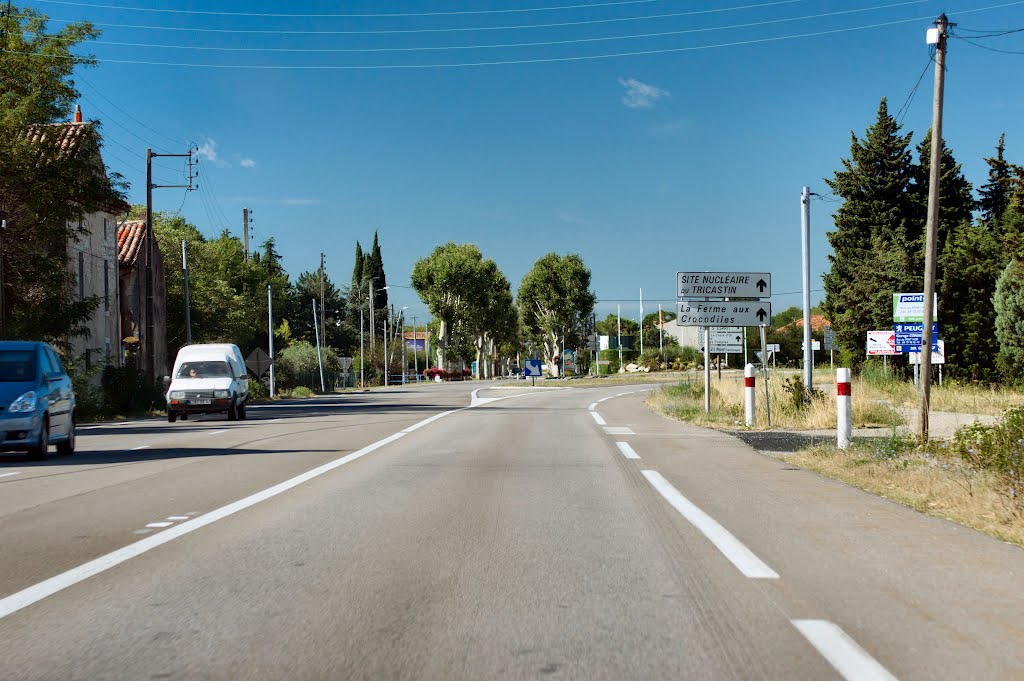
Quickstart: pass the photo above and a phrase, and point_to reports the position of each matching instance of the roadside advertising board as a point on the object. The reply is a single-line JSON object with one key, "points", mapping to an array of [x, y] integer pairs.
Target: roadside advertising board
{"points": [[881, 343], [938, 354], [909, 307], [908, 337]]}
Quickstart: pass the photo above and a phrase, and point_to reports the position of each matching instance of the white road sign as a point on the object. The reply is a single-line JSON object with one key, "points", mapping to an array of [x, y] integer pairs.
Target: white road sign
{"points": [[719, 313], [909, 307], [724, 340], [881, 343], [773, 347], [724, 285], [815, 345], [938, 357]]}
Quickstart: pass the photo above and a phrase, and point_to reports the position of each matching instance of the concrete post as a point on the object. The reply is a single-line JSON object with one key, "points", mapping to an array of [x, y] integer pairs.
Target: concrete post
{"points": [[750, 393], [844, 409]]}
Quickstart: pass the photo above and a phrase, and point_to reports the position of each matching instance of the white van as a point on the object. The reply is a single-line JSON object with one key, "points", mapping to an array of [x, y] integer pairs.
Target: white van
{"points": [[208, 379]]}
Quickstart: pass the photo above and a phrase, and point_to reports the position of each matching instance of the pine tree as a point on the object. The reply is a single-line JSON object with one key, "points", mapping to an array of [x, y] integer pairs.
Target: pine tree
{"points": [[873, 243], [995, 194], [971, 261]]}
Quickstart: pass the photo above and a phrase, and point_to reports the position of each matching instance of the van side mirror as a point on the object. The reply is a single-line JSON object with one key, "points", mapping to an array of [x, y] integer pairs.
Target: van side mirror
{"points": [[167, 381], [244, 377]]}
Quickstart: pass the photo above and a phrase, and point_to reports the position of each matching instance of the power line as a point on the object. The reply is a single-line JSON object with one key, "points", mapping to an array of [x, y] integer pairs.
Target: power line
{"points": [[509, 45], [588, 22], [507, 62], [113, 104], [910, 97], [352, 16], [990, 49]]}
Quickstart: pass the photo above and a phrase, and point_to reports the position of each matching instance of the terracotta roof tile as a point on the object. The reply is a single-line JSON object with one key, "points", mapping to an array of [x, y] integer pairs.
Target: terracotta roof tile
{"points": [[67, 138], [130, 237], [818, 322]]}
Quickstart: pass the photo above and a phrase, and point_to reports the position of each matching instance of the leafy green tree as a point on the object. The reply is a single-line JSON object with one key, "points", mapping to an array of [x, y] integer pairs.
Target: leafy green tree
{"points": [[444, 281], [303, 292], [555, 300], [298, 364], [1009, 306], [490, 314], [873, 243], [44, 191]]}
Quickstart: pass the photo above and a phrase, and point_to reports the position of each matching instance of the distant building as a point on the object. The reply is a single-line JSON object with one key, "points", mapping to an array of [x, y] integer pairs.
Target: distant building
{"points": [[131, 260], [417, 340]]}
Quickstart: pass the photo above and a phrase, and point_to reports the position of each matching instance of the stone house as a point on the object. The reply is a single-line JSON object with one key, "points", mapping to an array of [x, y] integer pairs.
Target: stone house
{"points": [[131, 273]]}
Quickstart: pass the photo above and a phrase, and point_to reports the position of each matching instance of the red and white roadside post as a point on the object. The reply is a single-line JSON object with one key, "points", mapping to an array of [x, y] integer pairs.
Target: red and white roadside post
{"points": [[749, 393], [844, 409]]}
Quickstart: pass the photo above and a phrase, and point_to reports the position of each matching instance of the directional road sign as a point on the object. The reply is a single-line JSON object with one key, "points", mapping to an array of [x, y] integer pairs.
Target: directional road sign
{"points": [[881, 343], [724, 340], [724, 285], [532, 367], [258, 362], [346, 364], [830, 338], [815, 345], [909, 307], [723, 313], [773, 347], [908, 337]]}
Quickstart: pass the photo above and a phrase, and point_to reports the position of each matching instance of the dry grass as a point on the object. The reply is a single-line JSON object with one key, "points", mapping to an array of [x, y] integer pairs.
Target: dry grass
{"points": [[685, 401], [934, 484]]}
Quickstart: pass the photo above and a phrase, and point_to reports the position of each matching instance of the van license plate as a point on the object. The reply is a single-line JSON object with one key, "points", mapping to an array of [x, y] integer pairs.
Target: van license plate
{"points": [[199, 401]]}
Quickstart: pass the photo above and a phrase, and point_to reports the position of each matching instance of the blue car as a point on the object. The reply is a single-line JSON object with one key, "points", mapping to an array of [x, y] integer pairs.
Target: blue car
{"points": [[37, 400]]}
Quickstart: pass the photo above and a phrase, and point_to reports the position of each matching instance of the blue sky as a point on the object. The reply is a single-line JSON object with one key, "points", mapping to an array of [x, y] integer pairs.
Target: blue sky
{"points": [[691, 157]]}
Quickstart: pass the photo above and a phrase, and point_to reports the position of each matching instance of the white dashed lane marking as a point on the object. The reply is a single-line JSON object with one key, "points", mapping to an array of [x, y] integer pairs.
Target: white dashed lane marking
{"points": [[4, 475], [626, 450], [619, 430], [842, 652], [159, 524]]}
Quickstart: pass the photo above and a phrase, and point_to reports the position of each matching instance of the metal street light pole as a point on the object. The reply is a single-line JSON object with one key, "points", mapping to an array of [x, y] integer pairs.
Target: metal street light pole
{"points": [[415, 351]]}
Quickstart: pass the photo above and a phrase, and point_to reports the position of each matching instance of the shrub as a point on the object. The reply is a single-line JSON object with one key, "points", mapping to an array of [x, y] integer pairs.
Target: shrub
{"points": [[258, 390], [998, 448], [299, 361], [794, 387]]}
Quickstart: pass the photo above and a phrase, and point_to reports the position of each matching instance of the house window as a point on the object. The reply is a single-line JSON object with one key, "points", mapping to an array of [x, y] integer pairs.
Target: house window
{"points": [[81, 274], [106, 282]]}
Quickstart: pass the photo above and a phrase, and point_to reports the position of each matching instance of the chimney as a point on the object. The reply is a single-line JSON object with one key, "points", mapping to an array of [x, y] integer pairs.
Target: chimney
{"points": [[78, 113]]}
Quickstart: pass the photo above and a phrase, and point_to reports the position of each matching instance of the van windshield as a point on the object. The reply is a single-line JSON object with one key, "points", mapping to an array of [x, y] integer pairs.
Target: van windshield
{"points": [[17, 365], [204, 370]]}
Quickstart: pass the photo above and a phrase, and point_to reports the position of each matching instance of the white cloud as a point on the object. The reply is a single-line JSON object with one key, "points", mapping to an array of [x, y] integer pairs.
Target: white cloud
{"points": [[641, 95], [208, 150], [247, 163]]}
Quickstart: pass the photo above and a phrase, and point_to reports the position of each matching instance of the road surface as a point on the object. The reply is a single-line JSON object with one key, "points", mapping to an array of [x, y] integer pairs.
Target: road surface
{"points": [[479, 531]]}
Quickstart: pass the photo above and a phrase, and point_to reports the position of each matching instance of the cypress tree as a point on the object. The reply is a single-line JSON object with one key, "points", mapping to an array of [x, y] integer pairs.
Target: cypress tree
{"points": [[356, 295], [874, 236], [373, 268], [1008, 302]]}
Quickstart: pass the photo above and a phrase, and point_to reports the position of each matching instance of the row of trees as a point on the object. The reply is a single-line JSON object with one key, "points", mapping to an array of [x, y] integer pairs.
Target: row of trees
{"points": [[472, 303], [878, 249]]}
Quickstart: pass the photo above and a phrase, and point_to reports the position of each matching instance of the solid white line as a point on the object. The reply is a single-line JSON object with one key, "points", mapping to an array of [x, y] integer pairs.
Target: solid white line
{"points": [[4, 475], [597, 417], [159, 524], [627, 451], [217, 432], [605, 398], [429, 420], [592, 407], [176, 518], [37, 592], [738, 554], [842, 652], [135, 449]]}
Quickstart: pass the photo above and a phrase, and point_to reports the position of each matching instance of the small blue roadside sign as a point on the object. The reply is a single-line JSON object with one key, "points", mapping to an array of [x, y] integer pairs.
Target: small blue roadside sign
{"points": [[908, 337], [532, 367]]}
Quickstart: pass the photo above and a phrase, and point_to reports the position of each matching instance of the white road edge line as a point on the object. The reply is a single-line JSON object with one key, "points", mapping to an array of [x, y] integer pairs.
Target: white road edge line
{"points": [[37, 592], [731, 547], [4, 475], [842, 652], [597, 417], [592, 407], [626, 450], [135, 449], [218, 432], [605, 398]]}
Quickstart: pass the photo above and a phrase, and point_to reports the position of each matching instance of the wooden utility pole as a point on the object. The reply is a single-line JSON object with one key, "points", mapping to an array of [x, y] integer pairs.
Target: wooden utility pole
{"points": [[323, 323], [934, 177], [245, 231]]}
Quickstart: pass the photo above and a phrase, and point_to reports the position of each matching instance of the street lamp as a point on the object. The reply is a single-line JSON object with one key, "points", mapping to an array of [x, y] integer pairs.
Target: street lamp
{"points": [[401, 317], [372, 293], [415, 351]]}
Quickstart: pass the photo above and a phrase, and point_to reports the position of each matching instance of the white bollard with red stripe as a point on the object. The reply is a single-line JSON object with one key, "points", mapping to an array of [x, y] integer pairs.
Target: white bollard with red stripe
{"points": [[749, 393], [844, 409]]}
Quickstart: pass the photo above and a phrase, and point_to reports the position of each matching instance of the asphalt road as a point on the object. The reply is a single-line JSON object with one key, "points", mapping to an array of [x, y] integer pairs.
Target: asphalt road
{"points": [[434, 533]]}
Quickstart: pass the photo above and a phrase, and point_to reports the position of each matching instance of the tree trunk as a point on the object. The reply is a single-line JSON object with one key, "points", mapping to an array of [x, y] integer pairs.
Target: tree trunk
{"points": [[442, 345], [480, 344], [551, 349]]}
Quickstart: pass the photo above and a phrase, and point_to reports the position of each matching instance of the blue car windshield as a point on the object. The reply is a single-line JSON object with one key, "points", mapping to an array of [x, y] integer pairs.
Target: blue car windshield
{"points": [[204, 370], [17, 366]]}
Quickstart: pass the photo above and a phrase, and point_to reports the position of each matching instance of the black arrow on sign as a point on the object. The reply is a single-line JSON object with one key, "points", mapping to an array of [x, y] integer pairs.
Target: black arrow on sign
{"points": [[761, 314], [761, 285]]}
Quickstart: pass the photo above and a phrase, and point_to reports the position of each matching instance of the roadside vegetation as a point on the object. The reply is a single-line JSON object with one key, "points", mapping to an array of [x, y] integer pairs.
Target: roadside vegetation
{"points": [[976, 479]]}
